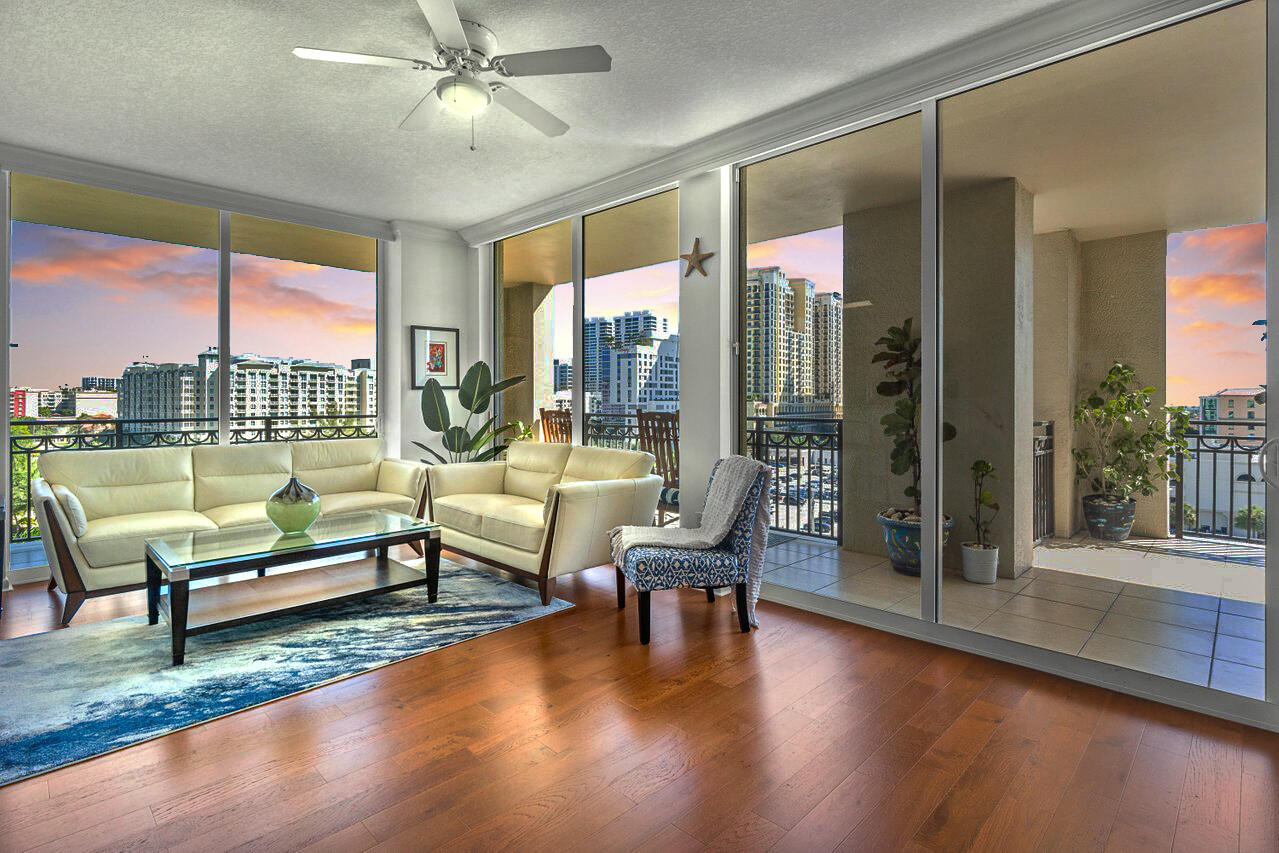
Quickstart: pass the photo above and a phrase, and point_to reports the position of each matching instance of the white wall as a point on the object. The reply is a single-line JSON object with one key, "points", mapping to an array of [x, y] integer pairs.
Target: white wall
{"points": [[433, 279]]}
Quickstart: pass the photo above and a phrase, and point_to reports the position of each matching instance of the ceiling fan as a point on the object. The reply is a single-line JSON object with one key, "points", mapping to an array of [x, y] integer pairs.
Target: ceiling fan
{"points": [[466, 50]]}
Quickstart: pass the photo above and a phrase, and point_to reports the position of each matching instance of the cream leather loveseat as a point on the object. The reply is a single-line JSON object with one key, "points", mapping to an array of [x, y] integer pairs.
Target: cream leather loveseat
{"points": [[97, 508], [545, 510]]}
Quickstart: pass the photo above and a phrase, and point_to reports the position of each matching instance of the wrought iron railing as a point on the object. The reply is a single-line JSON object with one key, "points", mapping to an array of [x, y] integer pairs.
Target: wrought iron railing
{"points": [[28, 438], [1042, 490], [620, 431], [1219, 492], [804, 454]]}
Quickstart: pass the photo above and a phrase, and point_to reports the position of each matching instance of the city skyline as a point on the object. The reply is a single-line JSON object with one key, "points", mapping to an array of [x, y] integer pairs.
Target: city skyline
{"points": [[118, 299]]}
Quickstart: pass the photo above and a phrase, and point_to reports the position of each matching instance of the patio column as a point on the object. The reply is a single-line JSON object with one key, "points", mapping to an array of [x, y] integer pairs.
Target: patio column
{"points": [[707, 417]]}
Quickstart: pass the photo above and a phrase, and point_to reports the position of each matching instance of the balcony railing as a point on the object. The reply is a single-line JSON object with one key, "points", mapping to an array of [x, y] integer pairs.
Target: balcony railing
{"points": [[804, 454], [620, 431], [1219, 493], [29, 438]]}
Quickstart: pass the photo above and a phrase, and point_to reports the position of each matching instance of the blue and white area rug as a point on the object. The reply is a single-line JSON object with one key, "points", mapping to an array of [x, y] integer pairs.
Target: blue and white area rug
{"points": [[78, 692]]}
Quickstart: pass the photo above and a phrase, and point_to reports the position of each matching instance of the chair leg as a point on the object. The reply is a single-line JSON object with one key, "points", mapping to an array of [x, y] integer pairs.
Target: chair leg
{"points": [[546, 588], [70, 606], [643, 616], [710, 594], [743, 618], [621, 590]]}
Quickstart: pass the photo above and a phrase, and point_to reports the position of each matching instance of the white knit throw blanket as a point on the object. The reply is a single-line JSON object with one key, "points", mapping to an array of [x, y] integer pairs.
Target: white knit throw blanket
{"points": [[734, 476]]}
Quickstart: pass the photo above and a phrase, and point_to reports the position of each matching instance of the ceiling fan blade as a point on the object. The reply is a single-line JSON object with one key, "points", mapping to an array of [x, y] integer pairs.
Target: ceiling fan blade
{"points": [[565, 60], [442, 17], [529, 111], [420, 118], [357, 58]]}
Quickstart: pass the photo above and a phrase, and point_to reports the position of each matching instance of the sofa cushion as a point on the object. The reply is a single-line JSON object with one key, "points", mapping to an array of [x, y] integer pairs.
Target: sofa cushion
{"points": [[465, 512], [400, 477], [606, 463], [124, 482], [344, 465], [72, 508], [532, 467], [357, 501], [518, 525], [122, 538], [238, 515], [239, 474]]}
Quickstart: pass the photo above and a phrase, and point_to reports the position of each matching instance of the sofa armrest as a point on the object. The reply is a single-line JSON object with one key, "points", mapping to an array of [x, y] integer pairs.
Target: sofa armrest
{"points": [[401, 477], [586, 511], [57, 536], [467, 478]]}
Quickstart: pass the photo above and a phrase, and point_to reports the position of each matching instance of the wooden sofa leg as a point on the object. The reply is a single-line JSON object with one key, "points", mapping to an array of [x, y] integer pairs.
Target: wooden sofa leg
{"points": [[643, 616], [53, 583], [621, 590], [710, 594], [70, 606], [417, 548], [546, 588], [743, 618]]}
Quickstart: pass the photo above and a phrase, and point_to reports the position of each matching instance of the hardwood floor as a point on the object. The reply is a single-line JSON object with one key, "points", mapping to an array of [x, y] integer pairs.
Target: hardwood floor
{"points": [[565, 733]]}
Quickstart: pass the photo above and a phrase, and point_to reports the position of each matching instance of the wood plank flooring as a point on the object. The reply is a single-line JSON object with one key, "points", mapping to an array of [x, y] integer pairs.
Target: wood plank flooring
{"points": [[566, 734]]}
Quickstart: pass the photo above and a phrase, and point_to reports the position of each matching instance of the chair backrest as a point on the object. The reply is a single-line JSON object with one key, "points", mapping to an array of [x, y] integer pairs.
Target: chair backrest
{"points": [[659, 435], [740, 534], [605, 463], [557, 426]]}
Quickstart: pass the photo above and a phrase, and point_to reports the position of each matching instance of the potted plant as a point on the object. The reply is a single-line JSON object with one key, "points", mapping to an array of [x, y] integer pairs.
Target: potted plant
{"points": [[981, 559], [1124, 445], [475, 393], [900, 355]]}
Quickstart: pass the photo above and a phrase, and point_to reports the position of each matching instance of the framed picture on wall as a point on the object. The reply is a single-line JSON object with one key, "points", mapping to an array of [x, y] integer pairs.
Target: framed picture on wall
{"points": [[434, 356]]}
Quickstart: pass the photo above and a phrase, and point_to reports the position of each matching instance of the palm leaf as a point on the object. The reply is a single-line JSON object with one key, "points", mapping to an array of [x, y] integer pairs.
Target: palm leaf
{"points": [[475, 388], [435, 408]]}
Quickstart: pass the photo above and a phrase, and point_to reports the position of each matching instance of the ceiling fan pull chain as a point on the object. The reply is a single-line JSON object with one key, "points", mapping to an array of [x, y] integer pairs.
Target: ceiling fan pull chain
{"points": [[472, 133]]}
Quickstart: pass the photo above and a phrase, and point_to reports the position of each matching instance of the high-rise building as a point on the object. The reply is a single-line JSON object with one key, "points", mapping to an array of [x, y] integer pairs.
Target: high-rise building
{"points": [[183, 396], [1233, 411], [597, 339], [828, 350], [100, 383], [562, 368], [639, 326], [645, 376], [780, 345]]}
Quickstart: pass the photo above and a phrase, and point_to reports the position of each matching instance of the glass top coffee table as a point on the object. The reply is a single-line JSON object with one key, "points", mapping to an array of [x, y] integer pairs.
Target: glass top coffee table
{"points": [[178, 559]]}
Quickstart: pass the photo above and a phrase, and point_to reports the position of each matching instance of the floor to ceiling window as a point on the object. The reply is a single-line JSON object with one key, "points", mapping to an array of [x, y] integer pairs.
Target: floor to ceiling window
{"points": [[832, 270], [303, 330], [533, 273], [1104, 260]]}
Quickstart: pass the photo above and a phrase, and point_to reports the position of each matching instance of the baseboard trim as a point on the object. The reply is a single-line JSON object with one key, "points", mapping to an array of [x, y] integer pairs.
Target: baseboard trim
{"points": [[28, 574], [1192, 697]]}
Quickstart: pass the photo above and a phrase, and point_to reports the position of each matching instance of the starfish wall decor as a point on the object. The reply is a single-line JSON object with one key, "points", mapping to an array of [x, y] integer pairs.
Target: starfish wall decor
{"points": [[695, 258]]}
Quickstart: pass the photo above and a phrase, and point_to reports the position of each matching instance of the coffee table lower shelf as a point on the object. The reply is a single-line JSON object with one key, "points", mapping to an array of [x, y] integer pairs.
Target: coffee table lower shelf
{"points": [[226, 605]]}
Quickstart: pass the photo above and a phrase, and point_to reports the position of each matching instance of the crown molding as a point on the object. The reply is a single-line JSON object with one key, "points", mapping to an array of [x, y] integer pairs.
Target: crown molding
{"points": [[45, 164], [423, 231], [1055, 33]]}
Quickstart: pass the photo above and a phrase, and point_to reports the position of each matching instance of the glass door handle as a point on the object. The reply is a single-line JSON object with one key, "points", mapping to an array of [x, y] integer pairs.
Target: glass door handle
{"points": [[1268, 472]]}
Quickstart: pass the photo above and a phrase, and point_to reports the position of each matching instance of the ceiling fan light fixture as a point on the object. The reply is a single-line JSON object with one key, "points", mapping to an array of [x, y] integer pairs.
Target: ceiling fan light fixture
{"points": [[463, 95]]}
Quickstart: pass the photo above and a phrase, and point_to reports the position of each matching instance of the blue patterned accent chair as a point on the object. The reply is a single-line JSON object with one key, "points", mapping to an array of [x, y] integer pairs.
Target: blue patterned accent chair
{"points": [[654, 568]]}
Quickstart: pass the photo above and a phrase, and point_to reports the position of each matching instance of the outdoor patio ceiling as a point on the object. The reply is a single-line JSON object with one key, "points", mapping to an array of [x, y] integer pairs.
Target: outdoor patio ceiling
{"points": [[45, 201], [1081, 135]]}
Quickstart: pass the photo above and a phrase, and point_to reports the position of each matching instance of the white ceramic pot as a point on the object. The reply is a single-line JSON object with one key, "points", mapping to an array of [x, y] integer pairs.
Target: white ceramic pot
{"points": [[980, 564]]}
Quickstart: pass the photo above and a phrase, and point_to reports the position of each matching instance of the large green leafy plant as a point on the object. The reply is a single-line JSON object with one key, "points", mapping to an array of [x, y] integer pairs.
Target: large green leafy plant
{"points": [[476, 394], [1124, 444], [900, 354]]}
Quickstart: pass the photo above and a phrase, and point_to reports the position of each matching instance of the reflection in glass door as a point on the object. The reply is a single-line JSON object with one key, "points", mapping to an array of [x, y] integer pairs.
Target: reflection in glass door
{"points": [[1103, 359]]}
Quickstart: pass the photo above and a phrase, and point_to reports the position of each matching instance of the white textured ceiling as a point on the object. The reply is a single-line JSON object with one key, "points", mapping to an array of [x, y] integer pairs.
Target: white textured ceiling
{"points": [[208, 91]]}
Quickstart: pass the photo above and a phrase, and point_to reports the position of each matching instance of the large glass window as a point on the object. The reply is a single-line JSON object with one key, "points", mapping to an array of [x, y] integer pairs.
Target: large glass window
{"points": [[832, 267], [1104, 258], [112, 294], [534, 277], [303, 330]]}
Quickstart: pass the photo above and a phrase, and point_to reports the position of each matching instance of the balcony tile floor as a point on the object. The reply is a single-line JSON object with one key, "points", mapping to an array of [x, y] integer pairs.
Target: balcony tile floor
{"points": [[1186, 634]]}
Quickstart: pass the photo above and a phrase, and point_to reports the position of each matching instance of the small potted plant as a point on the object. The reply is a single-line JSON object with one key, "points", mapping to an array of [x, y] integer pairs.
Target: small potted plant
{"points": [[900, 355], [1124, 446], [981, 558]]}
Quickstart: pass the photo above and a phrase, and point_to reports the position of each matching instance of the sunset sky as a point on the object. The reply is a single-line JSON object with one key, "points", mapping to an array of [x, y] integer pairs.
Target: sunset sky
{"points": [[89, 304]]}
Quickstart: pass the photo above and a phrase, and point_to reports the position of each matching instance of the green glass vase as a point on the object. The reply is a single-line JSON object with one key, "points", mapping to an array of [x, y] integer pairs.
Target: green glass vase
{"points": [[294, 507]]}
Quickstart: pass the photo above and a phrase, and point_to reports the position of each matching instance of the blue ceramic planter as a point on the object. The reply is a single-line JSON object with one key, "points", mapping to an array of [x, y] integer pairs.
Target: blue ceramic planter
{"points": [[902, 540], [1108, 519]]}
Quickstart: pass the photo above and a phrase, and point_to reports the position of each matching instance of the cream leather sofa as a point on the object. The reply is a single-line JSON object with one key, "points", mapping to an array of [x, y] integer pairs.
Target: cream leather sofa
{"points": [[96, 509], [545, 510]]}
